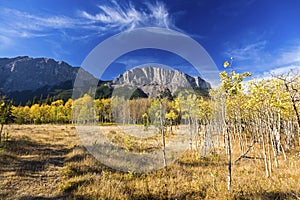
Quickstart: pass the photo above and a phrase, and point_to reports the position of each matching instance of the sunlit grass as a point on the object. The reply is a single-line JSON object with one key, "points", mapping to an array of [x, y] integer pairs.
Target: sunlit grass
{"points": [[62, 168]]}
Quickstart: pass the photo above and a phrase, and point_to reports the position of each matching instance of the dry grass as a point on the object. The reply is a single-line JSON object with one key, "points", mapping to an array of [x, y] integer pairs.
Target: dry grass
{"points": [[49, 162], [31, 161], [133, 143]]}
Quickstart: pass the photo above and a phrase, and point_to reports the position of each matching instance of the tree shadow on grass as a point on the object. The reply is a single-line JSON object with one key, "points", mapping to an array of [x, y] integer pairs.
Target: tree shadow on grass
{"points": [[26, 146], [83, 153], [28, 157], [272, 195], [202, 162], [43, 198], [188, 195]]}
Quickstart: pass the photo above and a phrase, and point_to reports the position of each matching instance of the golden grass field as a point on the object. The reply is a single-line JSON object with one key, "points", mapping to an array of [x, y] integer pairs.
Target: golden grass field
{"points": [[50, 162]]}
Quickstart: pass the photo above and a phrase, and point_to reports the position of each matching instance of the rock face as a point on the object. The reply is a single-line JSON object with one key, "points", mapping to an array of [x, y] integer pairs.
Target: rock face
{"points": [[24, 78], [152, 79], [25, 73]]}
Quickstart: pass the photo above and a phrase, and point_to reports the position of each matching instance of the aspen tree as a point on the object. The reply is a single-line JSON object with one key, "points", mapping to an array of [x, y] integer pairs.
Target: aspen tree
{"points": [[231, 85]]}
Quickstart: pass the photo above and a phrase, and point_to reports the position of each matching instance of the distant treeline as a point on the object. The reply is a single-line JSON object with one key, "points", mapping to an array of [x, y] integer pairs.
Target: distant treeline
{"points": [[89, 110], [48, 94]]}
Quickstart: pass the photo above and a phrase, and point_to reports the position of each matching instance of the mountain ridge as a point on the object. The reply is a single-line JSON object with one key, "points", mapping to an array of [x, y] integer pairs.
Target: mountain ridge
{"points": [[152, 79], [26, 73], [25, 78]]}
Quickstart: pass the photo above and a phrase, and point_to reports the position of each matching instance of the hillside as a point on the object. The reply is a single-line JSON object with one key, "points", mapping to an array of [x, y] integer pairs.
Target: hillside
{"points": [[151, 80], [30, 80], [25, 73]]}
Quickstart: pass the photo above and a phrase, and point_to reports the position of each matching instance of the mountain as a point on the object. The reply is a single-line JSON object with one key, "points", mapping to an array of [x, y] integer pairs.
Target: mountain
{"points": [[24, 78], [151, 80], [25, 73]]}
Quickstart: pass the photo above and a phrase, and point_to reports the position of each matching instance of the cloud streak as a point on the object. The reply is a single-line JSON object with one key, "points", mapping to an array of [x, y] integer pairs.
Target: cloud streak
{"points": [[128, 17], [25, 25], [287, 60], [5, 42], [290, 56], [110, 18], [266, 62], [251, 51]]}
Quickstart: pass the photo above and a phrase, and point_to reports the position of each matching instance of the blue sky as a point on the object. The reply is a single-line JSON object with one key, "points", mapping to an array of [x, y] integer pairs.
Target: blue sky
{"points": [[262, 36]]}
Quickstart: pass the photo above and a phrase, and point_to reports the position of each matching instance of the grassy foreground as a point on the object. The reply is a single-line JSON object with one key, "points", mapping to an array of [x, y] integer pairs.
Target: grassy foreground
{"points": [[49, 162]]}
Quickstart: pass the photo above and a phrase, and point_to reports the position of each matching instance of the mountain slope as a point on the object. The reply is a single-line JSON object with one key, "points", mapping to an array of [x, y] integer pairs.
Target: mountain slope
{"points": [[152, 79], [24, 78], [25, 73]]}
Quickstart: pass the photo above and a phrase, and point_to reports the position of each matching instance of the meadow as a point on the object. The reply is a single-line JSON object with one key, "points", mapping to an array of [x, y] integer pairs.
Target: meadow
{"points": [[50, 162]]}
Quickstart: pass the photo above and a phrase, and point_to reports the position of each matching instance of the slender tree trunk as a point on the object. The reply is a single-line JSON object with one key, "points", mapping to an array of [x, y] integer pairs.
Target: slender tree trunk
{"points": [[269, 152], [283, 151], [204, 140], [164, 147], [163, 136], [210, 133], [229, 160], [191, 133], [196, 134], [265, 156], [1, 129], [272, 139], [264, 150], [293, 102], [227, 144], [298, 131], [218, 134], [241, 142], [246, 140], [278, 124]]}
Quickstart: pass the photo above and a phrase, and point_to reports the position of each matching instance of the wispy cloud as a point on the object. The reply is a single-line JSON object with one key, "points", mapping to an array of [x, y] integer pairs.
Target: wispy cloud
{"points": [[286, 60], [266, 62], [129, 17], [288, 56], [278, 71], [25, 25], [251, 51], [5, 42], [111, 17]]}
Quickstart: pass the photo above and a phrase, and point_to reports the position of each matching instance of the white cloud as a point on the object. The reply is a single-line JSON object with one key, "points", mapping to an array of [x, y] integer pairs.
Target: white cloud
{"points": [[264, 61], [25, 25], [5, 42], [21, 33], [270, 74], [278, 71], [282, 62], [248, 52], [128, 17], [112, 17], [288, 56], [159, 14]]}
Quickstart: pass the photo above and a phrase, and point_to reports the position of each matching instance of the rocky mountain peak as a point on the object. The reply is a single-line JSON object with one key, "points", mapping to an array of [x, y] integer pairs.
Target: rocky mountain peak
{"points": [[25, 73], [151, 79]]}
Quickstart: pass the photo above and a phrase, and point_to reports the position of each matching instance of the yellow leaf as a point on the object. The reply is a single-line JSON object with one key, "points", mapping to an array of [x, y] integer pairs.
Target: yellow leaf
{"points": [[226, 64]]}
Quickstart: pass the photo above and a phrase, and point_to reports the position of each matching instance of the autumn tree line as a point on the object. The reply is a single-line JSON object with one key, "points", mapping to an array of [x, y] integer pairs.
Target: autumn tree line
{"points": [[259, 112], [265, 111], [265, 107]]}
